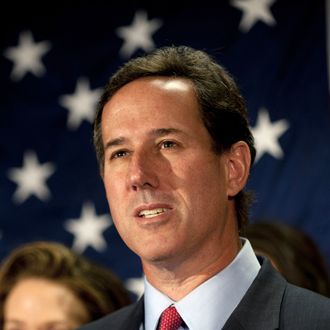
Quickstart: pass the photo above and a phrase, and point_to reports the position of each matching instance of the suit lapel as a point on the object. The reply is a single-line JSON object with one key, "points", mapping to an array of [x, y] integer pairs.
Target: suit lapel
{"points": [[135, 318], [260, 307]]}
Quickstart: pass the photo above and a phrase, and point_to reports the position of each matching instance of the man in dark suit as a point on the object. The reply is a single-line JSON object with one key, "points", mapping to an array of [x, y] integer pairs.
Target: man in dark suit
{"points": [[175, 150]]}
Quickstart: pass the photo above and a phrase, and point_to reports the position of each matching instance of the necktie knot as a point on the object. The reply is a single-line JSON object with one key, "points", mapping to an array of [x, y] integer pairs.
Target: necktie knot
{"points": [[170, 319]]}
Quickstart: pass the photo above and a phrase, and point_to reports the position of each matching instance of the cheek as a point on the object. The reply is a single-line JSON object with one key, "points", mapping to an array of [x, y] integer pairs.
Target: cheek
{"points": [[113, 183], [206, 183], [114, 193]]}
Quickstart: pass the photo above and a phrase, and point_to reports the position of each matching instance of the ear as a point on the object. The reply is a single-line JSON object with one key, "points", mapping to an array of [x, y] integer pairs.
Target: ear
{"points": [[238, 167]]}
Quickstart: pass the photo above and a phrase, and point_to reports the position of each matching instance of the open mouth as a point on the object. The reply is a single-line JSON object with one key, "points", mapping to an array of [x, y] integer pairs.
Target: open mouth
{"points": [[152, 213]]}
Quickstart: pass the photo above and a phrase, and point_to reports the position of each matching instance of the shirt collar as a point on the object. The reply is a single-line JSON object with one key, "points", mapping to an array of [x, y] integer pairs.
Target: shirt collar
{"points": [[230, 285]]}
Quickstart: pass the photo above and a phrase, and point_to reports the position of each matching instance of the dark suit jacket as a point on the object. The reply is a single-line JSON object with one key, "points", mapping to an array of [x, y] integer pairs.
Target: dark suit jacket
{"points": [[270, 303]]}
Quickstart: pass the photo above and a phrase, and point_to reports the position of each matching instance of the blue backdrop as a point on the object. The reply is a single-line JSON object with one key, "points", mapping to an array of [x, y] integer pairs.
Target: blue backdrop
{"points": [[54, 60]]}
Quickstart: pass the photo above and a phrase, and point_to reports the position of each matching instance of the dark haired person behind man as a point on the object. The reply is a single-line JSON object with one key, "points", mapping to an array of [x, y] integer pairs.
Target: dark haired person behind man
{"points": [[175, 150], [292, 252]]}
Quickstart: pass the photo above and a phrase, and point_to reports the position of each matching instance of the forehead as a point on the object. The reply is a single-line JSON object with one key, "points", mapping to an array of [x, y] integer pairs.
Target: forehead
{"points": [[175, 84], [42, 290], [51, 299], [153, 90], [152, 101]]}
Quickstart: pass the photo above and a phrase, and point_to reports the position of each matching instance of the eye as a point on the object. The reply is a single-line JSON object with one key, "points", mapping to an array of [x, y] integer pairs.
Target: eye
{"points": [[58, 326], [12, 327], [118, 154], [168, 144]]}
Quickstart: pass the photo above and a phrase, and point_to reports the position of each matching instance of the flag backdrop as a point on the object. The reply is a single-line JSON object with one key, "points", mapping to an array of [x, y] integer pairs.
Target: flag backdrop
{"points": [[54, 60]]}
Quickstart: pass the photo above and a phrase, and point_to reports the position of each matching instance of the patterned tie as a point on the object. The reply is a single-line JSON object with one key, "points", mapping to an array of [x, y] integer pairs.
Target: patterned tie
{"points": [[170, 319]]}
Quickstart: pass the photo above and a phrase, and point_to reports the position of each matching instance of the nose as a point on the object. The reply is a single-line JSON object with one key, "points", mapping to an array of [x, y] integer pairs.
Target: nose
{"points": [[142, 173]]}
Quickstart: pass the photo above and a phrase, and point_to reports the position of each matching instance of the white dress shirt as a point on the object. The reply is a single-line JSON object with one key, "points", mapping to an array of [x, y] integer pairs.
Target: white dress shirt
{"points": [[208, 306]]}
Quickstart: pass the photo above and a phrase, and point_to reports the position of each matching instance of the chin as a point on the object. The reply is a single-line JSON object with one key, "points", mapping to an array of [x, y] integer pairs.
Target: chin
{"points": [[158, 256]]}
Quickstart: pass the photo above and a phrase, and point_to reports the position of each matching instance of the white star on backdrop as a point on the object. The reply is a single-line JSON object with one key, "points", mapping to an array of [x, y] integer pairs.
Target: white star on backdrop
{"points": [[26, 56], [138, 34], [267, 135], [254, 11], [81, 104], [135, 285], [31, 178], [88, 229]]}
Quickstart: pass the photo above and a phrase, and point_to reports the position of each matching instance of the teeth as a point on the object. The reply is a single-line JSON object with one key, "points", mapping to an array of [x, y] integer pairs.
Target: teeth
{"points": [[151, 213]]}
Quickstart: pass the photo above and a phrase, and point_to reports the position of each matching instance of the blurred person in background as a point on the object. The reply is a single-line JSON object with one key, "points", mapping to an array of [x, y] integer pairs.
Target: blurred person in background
{"points": [[292, 252], [45, 285]]}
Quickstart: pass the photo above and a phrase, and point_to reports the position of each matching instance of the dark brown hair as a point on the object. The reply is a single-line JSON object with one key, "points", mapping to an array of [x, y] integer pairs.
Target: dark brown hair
{"points": [[222, 107], [99, 290]]}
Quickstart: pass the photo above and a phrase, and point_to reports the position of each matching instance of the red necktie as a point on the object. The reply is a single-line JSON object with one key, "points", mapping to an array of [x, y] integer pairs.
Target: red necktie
{"points": [[170, 319]]}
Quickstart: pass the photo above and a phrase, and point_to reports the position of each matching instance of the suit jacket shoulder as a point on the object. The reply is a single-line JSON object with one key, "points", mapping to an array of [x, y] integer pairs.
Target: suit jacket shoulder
{"points": [[272, 303], [127, 318], [303, 309]]}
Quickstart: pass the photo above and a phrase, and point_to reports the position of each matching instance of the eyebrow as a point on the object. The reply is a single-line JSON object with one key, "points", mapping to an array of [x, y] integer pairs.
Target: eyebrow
{"points": [[13, 321], [158, 132], [48, 323]]}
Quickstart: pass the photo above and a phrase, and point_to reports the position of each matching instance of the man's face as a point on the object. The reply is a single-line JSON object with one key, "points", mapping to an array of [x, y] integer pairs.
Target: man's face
{"points": [[166, 188]]}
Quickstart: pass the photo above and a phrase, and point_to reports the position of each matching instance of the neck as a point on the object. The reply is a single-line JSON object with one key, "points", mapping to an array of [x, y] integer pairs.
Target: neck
{"points": [[176, 278]]}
